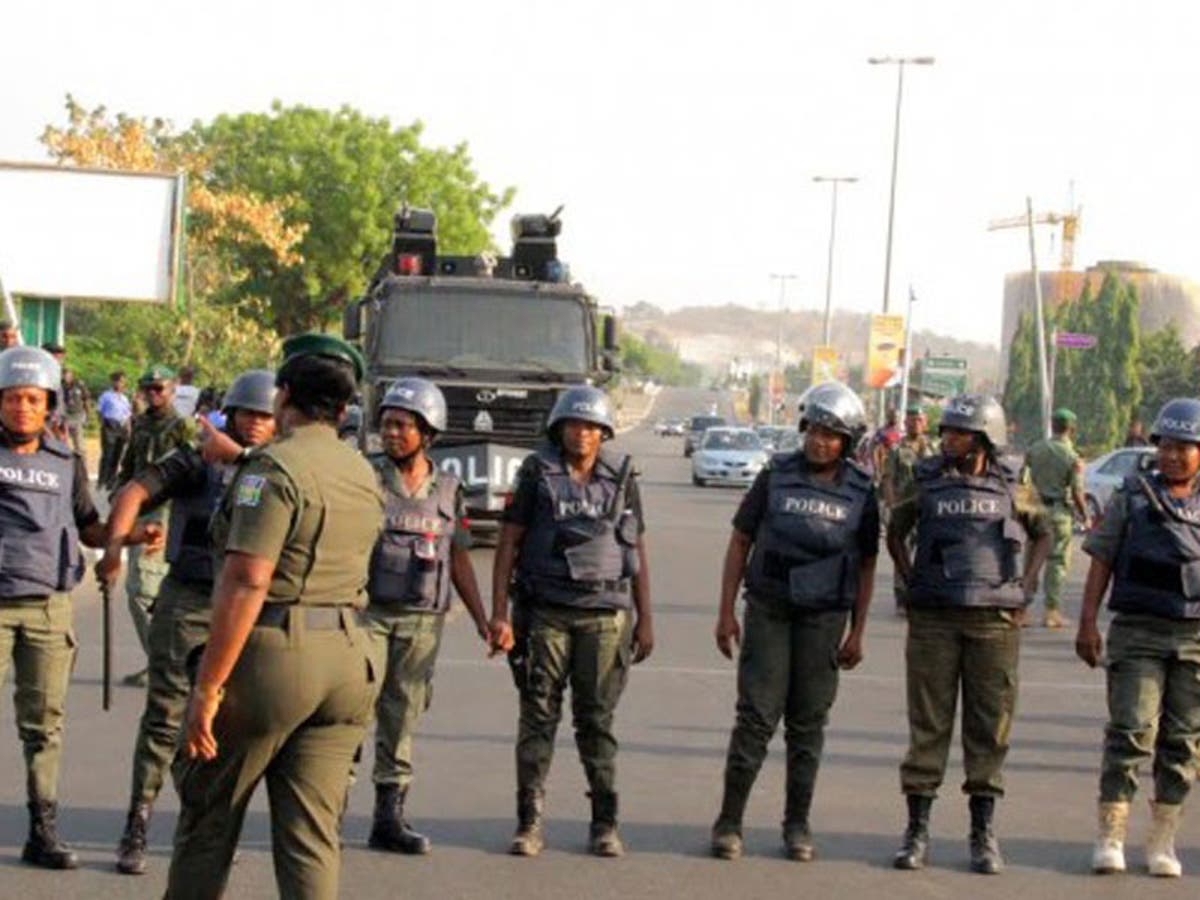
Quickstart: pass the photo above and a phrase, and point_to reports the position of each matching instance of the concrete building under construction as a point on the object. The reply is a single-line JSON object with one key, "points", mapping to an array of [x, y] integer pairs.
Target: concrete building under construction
{"points": [[1162, 298]]}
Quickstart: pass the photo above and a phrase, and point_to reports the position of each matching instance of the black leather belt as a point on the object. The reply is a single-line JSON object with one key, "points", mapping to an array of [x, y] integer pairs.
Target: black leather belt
{"points": [[316, 618]]}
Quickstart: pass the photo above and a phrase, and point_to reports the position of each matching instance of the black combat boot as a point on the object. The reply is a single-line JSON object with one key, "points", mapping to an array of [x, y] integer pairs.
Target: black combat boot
{"points": [[797, 838], [727, 830], [131, 852], [985, 849], [914, 851], [528, 839], [603, 839], [389, 831], [43, 847]]}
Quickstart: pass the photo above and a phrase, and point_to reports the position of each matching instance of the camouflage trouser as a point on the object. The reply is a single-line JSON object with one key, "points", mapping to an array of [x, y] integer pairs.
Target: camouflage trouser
{"points": [[181, 621], [787, 668], [978, 650], [590, 650], [36, 635], [1058, 563], [412, 640], [1153, 706]]}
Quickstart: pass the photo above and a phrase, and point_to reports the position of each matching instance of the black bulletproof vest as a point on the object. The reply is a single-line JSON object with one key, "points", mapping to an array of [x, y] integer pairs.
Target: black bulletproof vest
{"points": [[806, 548], [969, 540], [410, 564], [1157, 571], [574, 553], [39, 543], [189, 547]]}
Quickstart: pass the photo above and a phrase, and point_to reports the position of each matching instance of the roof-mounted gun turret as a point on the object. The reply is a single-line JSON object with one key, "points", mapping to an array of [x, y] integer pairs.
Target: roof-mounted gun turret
{"points": [[535, 250], [414, 242]]}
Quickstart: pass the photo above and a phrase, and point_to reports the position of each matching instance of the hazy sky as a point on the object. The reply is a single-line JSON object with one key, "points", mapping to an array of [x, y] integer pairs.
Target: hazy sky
{"points": [[682, 137]]}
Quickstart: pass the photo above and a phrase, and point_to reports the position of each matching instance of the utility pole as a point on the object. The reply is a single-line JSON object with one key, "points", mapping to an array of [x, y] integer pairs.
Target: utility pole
{"points": [[834, 181], [783, 280], [908, 337]]}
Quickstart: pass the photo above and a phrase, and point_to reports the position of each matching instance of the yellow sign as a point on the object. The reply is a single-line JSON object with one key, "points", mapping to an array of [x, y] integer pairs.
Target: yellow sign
{"points": [[824, 364], [884, 348]]}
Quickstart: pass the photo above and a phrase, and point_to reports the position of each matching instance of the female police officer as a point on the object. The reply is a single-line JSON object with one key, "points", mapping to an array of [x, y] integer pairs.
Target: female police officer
{"points": [[810, 527], [574, 530], [287, 682], [1148, 546], [972, 513], [45, 511], [422, 551]]}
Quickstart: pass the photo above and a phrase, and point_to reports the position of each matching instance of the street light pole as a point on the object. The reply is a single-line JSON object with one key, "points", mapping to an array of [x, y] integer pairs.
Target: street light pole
{"points": [[899, 62], [783, 280], [834, 181]]}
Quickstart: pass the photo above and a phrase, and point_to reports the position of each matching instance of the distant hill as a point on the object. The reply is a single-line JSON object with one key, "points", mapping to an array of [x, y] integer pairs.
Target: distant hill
{"points": [[713, 336]]}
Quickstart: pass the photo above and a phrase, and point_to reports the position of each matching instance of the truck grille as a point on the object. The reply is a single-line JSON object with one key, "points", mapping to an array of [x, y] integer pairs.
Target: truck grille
{"points": [[513, 418]]}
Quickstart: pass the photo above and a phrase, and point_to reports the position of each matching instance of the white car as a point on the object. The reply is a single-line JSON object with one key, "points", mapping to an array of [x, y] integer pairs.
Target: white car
{"points": [[728, 456], [1106, 473]]}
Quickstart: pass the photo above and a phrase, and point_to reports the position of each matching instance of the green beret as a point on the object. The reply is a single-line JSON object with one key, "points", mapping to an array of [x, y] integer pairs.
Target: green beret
{"points": [[155, 374], [915, 409], [1062, 414], [317, 344]]}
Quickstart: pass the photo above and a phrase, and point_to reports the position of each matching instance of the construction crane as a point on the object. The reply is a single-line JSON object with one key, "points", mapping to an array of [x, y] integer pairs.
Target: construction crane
{"points": [[1070, 227]]}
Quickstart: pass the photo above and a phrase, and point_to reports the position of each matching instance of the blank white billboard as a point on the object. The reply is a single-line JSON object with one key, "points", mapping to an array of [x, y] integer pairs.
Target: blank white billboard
{"points": [[89, 233]]}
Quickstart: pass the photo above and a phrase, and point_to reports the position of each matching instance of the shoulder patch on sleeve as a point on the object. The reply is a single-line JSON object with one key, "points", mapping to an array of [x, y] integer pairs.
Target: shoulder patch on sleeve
{"points": [[249, 490]]}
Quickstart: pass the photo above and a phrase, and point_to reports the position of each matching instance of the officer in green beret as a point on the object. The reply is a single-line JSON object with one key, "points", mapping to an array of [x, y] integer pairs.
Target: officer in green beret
{"points": [[287, 682], [155, 432], [1057, 473]]}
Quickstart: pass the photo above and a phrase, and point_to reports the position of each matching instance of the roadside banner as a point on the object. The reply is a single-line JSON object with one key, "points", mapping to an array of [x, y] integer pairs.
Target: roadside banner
{"points": [[824, 364], [884, 346]]}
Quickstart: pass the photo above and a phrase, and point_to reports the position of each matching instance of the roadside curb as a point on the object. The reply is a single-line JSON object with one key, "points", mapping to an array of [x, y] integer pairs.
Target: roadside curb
{"points": [[640, 419]]}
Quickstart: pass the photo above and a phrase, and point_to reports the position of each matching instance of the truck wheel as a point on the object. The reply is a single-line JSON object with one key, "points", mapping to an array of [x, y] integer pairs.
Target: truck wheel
{"points": [[698, 482]]}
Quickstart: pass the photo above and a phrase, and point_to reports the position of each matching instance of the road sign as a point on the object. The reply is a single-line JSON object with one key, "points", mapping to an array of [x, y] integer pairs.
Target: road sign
{"points": [[942, 376], [1071, 340]]}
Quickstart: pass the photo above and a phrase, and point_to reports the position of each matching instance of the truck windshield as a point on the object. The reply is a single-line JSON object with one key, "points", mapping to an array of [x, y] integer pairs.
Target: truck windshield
{"points": [[468, 330]]}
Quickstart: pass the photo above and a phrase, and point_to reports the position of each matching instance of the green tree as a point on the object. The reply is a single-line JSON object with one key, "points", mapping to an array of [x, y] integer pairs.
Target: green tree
{"points": [[342, 175], [1021, 389], [1165, 370]]}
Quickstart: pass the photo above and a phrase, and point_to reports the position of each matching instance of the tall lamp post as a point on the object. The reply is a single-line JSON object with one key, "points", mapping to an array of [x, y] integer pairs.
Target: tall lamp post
{"points": [[783, 280], [899, 62], [833, 181]]}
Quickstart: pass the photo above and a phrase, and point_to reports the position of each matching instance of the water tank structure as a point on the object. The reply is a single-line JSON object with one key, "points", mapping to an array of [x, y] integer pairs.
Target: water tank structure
{"points": [[1162, 298]]}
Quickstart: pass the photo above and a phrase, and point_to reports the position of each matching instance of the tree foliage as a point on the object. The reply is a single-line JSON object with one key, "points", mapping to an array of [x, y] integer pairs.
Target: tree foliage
{"points": [[341, 176], [651, 358]]}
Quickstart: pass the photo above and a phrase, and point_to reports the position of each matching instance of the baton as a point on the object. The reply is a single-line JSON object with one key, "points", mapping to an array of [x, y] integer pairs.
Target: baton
{"points": [[106, 676]]}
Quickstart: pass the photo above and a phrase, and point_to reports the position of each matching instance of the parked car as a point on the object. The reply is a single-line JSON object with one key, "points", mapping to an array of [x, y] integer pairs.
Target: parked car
{"points": [[673, 428], [728, 456], [697, 425], [1106, 473]]}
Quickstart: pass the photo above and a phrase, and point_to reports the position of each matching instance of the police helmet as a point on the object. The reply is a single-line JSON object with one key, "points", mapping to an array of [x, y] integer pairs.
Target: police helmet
{"points": [[978, 413], [832, 405], [31, 367], [253, 390], [422, 398], [585, 403], [1179, 419]]}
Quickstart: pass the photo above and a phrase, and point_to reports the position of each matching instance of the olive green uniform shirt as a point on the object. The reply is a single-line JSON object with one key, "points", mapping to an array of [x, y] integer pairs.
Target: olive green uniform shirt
{"points": [[153, 437], [902, 460], [1056, 470], [312, 504]]}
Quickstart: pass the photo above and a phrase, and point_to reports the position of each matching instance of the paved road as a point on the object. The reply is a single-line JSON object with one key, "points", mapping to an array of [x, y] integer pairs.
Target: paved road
{"points": [[673, 724]]}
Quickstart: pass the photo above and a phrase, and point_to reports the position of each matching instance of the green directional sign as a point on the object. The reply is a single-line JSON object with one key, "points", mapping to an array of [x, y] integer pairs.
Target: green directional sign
{"points": [[41, 321], [942, 376]]}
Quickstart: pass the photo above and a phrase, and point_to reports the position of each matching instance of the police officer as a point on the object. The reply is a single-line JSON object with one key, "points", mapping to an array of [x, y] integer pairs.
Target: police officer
{"points": [[182, 607], [810, 527], [153, 434], [423, 551], [45, 511], [973, 516], [1057, 473], [573, 535], [287, 680], [1147, 546], [898, 470]]}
